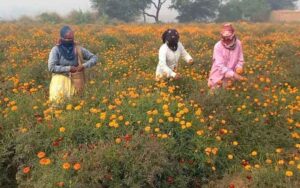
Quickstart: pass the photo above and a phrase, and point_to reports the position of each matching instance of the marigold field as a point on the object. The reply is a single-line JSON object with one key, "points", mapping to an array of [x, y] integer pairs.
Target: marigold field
{"points": [[130, 131]]}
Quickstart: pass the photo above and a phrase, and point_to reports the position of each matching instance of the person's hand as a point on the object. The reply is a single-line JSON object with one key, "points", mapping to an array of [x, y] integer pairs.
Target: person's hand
{"points": [[191, 62], [239, 70], [177, 76], [73, 69], [80, 68], [238, 77]]}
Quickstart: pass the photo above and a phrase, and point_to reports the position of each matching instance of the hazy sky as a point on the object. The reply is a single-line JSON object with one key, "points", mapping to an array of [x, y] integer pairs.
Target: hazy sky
{"points": [[11, 9]]}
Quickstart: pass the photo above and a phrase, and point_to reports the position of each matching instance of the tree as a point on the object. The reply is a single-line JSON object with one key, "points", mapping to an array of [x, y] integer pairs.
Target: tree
{"points": [[52, 18], [252, 10], [231, 11], [158, 4], [126, 10], [256, 10], [196, 10], [80, 17], [282, 4]]}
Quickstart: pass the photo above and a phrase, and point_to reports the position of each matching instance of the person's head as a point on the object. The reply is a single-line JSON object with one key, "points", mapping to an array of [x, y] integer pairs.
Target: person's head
{"points": [[227, 33], [66, 35], [171, 37]]}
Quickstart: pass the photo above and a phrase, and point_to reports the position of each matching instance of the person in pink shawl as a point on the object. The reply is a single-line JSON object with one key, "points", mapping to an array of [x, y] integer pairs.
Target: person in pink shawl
{"points": [[228, 59]]}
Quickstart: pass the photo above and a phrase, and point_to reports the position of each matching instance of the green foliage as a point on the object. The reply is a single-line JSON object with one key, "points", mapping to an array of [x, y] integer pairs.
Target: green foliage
{"points": [[231, 11], [252, 10], [282, 4], [199, 10], [125, 10], [256, 10], [80, 17], [52, 18]]}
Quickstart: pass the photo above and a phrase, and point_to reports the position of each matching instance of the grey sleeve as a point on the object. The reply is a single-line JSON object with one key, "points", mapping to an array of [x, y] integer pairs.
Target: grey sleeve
{"points": [[90, 58], [53, 62]]}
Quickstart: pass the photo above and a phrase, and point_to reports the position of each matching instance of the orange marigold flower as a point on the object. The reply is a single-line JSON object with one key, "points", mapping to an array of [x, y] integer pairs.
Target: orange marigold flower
{"points": [[66, 166], [77, 166], [26, 170], [45, 161], [61, 184], [41, 154]]}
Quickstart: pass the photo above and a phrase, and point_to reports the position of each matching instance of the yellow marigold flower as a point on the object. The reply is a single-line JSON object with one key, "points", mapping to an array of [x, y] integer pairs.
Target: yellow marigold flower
{"points": [[280, 162], [188, 124], [170, 119], [185, 110], [235, 143], [198, 112], [164, 136], [230, 157], [165, 107], [155, 112], [200, 132], [289, 173], [147, 129], [78, 107], [279, 150], [121, 118], [103, 115], [254, 153], [248, 167], [62, 129], [150, 120], [118, 140], [167, 114], [268, 161]]}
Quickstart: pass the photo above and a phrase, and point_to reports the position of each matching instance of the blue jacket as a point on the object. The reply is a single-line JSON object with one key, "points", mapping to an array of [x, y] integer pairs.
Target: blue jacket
{"points": [[58, 64]]}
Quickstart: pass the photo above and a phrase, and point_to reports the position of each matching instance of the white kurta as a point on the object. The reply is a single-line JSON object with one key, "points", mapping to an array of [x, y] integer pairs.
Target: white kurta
{"points": [[168, 60]]}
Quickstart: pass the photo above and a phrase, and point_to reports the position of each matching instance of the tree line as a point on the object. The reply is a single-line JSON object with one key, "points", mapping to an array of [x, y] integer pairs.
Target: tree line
{"points": [[192, 10]]}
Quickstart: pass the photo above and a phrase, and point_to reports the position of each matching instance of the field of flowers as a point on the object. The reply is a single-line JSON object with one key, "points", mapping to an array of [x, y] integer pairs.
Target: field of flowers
{"points": [[130, 131]]}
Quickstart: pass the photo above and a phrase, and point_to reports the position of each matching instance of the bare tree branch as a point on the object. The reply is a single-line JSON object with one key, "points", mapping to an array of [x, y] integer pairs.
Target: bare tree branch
{"points": [[150, 15], [153, 3]]}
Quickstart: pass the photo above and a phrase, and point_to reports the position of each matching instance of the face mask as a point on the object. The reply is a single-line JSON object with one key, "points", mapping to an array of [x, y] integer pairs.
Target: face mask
{"points": [[173, 43], [229, 43], [67, 43]]}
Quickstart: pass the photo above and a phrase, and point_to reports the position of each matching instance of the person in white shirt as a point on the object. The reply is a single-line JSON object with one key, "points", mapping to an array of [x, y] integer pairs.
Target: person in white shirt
{"points": [[169, 54]]}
